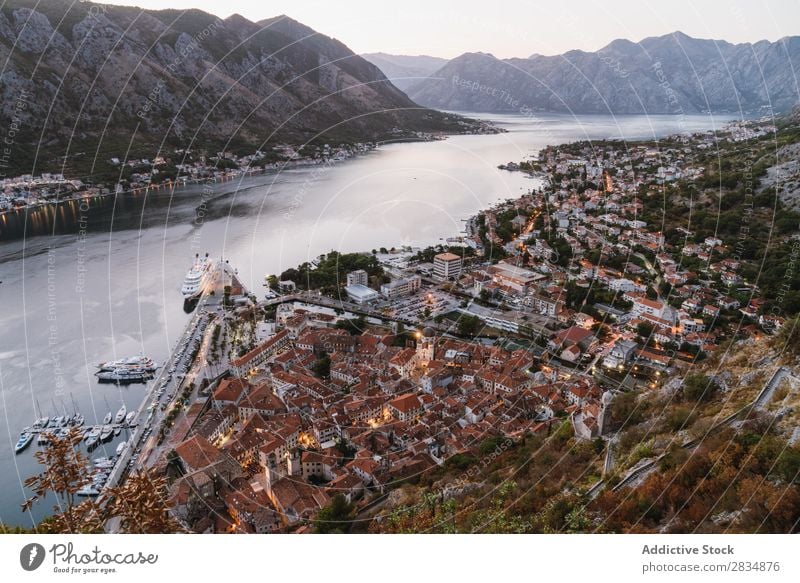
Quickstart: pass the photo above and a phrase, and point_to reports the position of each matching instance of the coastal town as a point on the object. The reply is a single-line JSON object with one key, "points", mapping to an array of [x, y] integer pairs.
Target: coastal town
{"points": [[356, 373], [168, 171], [181, 167]]}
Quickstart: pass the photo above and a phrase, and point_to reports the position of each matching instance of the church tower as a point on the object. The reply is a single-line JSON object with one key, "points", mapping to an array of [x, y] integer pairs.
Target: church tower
{"points": [[425, 345]]}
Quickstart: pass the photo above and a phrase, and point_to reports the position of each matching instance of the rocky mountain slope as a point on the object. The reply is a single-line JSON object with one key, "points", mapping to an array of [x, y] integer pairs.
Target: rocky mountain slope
{"points": [[405, 71], [83, 81], [671, 74]]}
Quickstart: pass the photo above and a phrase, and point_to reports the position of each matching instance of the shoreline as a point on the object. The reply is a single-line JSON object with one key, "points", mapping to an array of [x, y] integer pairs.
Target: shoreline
{"points": [[359, 150]]}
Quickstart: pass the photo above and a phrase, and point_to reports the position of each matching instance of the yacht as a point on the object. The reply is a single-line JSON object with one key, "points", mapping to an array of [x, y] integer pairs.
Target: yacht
{"points": [[107, 419], [106, 433], [121, 448], [133, 362], [92, 437], [120, 417], [197, 278], [88, 490], [124, 375], [24, 441], [130, 417]]}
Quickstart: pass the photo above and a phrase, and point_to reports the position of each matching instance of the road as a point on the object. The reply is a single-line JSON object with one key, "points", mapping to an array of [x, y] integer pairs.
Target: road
{"points": [[318, 300], [759, 402], [166, 388], [198, 333]]}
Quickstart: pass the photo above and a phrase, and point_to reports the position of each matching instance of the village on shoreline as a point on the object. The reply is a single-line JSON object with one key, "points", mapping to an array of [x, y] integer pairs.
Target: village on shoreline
{"points": [[359, 372]]}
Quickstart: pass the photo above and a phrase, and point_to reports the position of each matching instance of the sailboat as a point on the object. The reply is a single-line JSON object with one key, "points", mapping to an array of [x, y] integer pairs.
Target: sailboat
{"points": [[105, 433], [109, 416], [77, 419], [92, 437]]}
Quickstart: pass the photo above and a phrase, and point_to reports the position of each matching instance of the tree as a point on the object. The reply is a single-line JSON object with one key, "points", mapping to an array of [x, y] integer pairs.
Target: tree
{"points": [[644, 329], [336, 517], [322, 366], [139, 503], [66, 471], [698, 387], [355, 326], [469, 325]]}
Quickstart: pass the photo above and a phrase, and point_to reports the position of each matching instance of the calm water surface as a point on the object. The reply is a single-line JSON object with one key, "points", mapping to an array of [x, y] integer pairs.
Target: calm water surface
{"points": [[76, 298]]}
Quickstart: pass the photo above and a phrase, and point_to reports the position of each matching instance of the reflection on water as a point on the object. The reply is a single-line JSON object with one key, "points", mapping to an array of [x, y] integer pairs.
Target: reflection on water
{"points": [[103, 282], [90, 214]]}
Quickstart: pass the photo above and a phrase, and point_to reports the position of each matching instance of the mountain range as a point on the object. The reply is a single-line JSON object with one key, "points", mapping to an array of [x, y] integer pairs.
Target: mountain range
{"points": [[405, 71], [83, 81], [670, 74]]}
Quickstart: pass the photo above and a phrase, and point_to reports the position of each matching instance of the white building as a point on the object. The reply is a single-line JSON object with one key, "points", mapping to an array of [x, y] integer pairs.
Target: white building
{"points": [[622, 353], [358, 277], [625, 285], [401, 287], [650, 307], [361, 294], [446, 266]]}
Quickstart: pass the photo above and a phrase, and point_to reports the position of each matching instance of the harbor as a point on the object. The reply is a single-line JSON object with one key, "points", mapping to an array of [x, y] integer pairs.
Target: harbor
{"points": [[204, 287], [114, 290], [170, 384]]}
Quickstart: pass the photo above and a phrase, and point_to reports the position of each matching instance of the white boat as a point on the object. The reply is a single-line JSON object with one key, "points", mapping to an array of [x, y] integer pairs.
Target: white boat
{"points": [[130, 417], [134, 362], [124, 375], [120, 417], [121, 447], [24, 441], [107, 419], [106, 432], [88, 490], [103, 464], [196, 279], [92, 437], [41, 422]]}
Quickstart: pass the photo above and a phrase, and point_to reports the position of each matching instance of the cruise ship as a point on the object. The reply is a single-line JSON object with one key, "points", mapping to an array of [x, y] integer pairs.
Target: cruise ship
{"points": [[197, 278]]}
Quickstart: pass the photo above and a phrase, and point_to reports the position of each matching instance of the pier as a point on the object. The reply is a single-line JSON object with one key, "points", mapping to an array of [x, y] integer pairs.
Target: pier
{"points": [[83, 428], [149, 413]]}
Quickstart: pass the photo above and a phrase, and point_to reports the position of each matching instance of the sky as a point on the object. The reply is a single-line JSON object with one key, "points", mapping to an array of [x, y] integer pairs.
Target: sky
{"points": [[511, 28]]}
